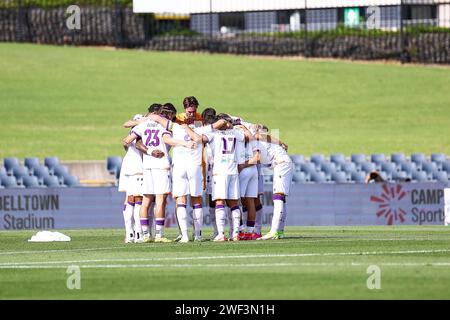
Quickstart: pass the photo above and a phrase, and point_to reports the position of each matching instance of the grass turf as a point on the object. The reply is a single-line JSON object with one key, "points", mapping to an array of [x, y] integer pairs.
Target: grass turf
{"points": [[310, 263], [70, 102]]}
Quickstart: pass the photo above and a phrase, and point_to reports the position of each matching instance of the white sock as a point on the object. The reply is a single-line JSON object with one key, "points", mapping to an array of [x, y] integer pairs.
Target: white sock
{"points": [[243, 222], [197, 216], [128, 219], [277, 212], [212, 215], [182, 219], [220, 219], [236, 215], [230, 222], [159, 232], [137, 222], [283, 218], [258, 219], [151, 216]]}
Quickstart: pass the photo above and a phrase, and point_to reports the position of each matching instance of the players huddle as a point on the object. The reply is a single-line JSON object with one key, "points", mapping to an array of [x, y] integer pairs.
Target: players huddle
{"points": [[219, 153]]}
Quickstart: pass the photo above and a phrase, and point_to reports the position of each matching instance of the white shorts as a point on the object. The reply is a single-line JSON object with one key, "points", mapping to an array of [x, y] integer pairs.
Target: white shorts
{"points": [[260, 180], [225, 187], [248, 182], [282, 177], [131, 184], [156, 181], [187, 179]]}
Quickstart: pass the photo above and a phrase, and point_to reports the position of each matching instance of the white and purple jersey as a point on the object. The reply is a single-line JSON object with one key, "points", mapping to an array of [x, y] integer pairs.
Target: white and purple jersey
{"points": [[132, 162], [151, 134], [225, 154], [272, 154]]}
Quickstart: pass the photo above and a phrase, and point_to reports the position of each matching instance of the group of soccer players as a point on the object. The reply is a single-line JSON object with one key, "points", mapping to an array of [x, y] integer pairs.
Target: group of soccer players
{"points": [[219, 153]]}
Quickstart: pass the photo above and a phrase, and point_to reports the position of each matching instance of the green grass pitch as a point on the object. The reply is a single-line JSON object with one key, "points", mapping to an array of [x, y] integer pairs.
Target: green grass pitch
{"points": [[70, 102], [310, 263]]}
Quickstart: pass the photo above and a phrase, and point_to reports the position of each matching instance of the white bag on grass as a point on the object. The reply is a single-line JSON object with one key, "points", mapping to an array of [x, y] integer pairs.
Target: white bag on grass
{"points": [[49, 236]]}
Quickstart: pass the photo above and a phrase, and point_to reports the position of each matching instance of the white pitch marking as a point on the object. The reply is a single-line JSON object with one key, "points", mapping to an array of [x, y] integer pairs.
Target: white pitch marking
{"points": [[286, 255]]}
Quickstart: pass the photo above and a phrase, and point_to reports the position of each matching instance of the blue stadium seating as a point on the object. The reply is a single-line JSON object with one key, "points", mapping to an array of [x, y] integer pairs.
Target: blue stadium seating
{"points": [[358, 177], [113, 164], [317, 159], [420, 176], [438, 157], [309, 168], [31, 182], [368, 167], [338, 159], [31, 164], [349, 167], [389, 168], [71, 181], [398, 158], [429, 167], [318, 177], [408, 167], [378, 158], [10, 164], [299, 177], [441, 176], [328, 167], [52, 182], [418, 158], [9, 182], [358, 158], [297, 158], [339, 177]]}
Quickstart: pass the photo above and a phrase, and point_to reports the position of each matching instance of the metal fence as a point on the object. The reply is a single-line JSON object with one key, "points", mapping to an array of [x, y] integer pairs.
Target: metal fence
{"points": [[405, 30]]}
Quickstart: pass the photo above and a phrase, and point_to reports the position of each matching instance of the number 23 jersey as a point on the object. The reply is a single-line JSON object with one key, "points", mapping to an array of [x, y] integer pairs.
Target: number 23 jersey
{"points": [[151, 134]]}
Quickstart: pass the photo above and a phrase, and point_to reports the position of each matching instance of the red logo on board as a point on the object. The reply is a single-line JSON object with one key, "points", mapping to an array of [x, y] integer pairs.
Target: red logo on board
{"points": [[388, 203]]}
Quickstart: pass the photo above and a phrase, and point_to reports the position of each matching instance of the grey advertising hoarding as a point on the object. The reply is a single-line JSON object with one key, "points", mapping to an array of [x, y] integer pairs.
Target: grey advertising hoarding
{"points": [[308, 205]]}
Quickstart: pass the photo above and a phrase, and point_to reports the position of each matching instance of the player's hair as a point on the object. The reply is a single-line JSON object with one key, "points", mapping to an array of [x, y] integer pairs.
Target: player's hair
{"points": [[154, 107], [168, 108], [209, 115], [225, 117], [190, 101]]}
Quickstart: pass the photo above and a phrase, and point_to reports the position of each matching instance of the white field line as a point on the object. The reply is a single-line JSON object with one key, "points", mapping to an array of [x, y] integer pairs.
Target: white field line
{"points": [[281, 241], [286, 255], [244, 265]]}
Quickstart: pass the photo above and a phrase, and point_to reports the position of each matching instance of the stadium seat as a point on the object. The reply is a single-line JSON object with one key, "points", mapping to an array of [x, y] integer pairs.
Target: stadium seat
{"points": [[445, 166], [317, 159], [71, 181], [389, 168], [297, 158], [419, 176], [51, 162], [429, 167], [441, 176], [51, 181], [378, 158], [398, 158], [328, 167], [400, 176], [31, 164], [10, 164], [20, 173], [339, 177], [299, 177], [318, 177], [358, 158], [367, 167], [358, 177], [3, 171], [438, 158], [31, 182], [349, 167], [308, 168], [408, 167], [41, 173], [338, 159], [297, 167], [418, 158], [113, 164], [60, 171], [9, 182]]}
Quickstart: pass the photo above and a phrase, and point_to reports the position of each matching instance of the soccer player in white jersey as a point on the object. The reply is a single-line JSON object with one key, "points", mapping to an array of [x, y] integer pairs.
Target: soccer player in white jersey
{"points": [[274, 153], [156, 167], [187, 176], [130, 181], [225, 179]]}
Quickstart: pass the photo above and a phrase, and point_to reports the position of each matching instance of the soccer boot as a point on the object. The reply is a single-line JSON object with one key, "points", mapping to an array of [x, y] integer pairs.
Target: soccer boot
{"points": [[254, 236], [146, 238], [184, 240], [280, 234], [129, 238], [220, 238], [269, 236], [162, 240], [178, 238], [198, 239], [138, 238]]}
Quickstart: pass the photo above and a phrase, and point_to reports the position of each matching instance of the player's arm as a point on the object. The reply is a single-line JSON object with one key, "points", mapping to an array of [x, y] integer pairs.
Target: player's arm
{"points": [[219, 124], [194, 136], [140, 146], [247, 134], [256, 159], [133, 123], [167, 138], [129, 139], [161, 120], [270, 139]]}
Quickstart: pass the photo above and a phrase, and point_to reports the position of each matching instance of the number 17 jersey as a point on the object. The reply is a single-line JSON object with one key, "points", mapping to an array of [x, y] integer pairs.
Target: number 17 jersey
{"points": [[223, 144]]}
